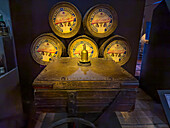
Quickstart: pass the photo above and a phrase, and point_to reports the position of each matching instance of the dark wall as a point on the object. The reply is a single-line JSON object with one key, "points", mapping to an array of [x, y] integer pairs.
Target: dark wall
{"points": [[155, 73], [30, 19], [10, 98]]}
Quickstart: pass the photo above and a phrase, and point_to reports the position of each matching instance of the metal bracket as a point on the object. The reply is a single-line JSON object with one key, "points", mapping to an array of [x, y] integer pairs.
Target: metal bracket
{"points": [[72, 109]]}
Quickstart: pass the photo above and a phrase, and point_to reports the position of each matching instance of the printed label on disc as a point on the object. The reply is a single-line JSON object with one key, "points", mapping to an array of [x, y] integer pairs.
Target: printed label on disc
{"points": [[101, 20], [77, 46], [64, 20], [118, 50], [45, 48]]}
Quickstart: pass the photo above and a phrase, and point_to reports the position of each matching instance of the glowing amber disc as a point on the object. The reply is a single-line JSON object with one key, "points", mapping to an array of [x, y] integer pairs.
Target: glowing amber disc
{"points": [[65, 19], [76, 46], [100, 21], [46, 47], [117, 48]]}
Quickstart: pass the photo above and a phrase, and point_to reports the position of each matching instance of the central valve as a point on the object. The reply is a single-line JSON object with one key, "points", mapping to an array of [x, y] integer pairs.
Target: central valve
{"points": [[84, 58]]}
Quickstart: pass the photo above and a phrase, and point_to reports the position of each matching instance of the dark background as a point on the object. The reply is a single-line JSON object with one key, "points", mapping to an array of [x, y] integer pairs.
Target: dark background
{"points": [[155, 74], [30, 19]]}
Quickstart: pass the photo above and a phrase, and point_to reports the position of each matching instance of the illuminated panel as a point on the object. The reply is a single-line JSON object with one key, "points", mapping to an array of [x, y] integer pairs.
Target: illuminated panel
{"points": [[101, 20], [65, 19], [45, 47], [76, 46]]}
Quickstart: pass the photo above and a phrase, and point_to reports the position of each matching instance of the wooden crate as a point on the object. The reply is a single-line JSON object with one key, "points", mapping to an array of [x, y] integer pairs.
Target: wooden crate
{"points": [[63, 86]]}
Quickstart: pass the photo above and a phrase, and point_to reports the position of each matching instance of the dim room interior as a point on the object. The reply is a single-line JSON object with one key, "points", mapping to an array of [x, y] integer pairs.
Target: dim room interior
{"points": [[84, 64]]}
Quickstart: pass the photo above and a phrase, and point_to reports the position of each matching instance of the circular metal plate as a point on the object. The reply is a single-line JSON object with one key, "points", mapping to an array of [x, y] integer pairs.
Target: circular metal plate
{"points": [[117, 48], [46, 47], [76, 46], [65, 19], [100, 21]]}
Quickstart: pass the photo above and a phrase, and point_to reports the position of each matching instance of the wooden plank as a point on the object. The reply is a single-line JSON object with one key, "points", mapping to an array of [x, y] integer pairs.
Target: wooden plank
{"points": [[97, 93], [51, 109], [48, 93]]}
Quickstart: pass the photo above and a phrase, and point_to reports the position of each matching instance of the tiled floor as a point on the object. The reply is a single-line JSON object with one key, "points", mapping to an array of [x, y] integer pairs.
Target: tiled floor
{"points": [[147, 114]]}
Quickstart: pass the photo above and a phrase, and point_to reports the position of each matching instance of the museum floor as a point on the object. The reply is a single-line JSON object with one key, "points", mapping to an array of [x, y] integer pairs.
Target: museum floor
{"points": [[147, 114]]}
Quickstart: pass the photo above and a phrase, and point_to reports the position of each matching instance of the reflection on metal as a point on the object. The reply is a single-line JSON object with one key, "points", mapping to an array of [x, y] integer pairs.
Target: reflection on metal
{"points": [[66, 69], [116, 48], [100, 21], [84, 57], [65, 19], [46, 47]]}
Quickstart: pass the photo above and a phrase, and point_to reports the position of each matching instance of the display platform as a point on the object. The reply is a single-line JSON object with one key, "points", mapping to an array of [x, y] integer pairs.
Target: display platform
{"points": [[65, 87]]}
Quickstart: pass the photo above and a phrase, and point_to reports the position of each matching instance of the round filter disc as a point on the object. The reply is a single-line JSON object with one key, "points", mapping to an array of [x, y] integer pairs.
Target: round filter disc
{"points": [[117, 48], [46, 47], [76, 46], [65, 19], [100, 21]]}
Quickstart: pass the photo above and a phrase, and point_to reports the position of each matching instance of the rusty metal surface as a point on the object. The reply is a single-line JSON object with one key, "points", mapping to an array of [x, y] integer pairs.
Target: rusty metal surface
{"points": [[65, 73]]}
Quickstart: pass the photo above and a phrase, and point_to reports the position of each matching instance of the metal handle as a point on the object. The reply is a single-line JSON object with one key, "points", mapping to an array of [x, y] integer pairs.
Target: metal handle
{"points": [[72, 119]]}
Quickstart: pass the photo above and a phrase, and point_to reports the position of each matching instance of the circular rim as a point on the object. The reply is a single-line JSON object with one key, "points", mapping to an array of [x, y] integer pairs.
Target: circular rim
{"points": [[83, 37], [56, 42], [86, 25], [60, 42], [78, 16], [107, 43]]}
